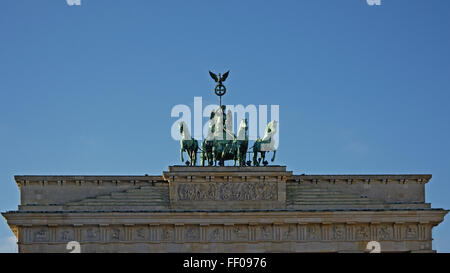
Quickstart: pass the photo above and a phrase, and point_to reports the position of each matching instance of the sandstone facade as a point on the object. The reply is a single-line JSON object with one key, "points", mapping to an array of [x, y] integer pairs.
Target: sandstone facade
{"points": [[224, 209]]}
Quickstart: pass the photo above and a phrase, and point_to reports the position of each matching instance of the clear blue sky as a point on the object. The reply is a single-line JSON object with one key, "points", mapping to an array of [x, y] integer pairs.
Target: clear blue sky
{"points": [[361, 89]]}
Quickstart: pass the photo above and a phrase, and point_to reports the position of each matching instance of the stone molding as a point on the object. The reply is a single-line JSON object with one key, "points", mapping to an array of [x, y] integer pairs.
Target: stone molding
{"points": [[363, 179], [433, 216], [94, 180], [157, 233], [62, 180], [393, 229]]}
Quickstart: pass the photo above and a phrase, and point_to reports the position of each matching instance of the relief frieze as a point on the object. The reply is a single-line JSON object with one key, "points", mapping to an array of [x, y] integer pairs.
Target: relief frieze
{"points": [[227, 191]]}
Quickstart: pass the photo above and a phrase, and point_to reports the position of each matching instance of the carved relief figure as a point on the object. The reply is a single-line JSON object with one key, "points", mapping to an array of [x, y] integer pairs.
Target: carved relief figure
{"points": [[289, 232], [211, 192], [140, 233], [167, 233], [313, 232], [41, 235], [66, 235], [362, 232], [240, 233], [192, 233], [224, 191], [92, 234], [385, 232], [115, 234], [215, 234], [411, 232], [266, 232], [338, 232]]}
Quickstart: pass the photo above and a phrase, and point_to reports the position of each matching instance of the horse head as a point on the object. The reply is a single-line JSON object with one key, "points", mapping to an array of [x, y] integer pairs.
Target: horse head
{"points": [[268, 142], [184, 131], [243, 128], [271, 129]]}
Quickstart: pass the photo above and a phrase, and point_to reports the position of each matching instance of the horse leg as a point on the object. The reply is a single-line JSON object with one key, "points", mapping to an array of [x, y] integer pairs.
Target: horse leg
{"points": [[181, 153], [195, 156], [209, 158], [221, 159], [202, 154], [274, 153], [190, 157], [244, 157], [255, 156], [239, 156]]}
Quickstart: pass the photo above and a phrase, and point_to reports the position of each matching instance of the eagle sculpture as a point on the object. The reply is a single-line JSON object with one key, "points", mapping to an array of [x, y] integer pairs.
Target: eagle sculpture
{"points": [[219, 79]]}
